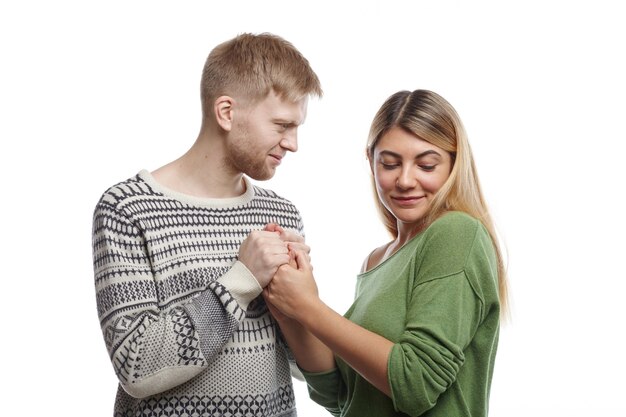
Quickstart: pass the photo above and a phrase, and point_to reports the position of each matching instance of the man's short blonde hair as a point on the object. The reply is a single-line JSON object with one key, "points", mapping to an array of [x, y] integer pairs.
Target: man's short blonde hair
{"points": [[250, 66]]}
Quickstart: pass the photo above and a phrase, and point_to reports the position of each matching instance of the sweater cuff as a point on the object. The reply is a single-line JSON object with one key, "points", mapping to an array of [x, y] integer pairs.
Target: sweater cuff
{"points": [[318, 375], [241, 284], [324, 388]]}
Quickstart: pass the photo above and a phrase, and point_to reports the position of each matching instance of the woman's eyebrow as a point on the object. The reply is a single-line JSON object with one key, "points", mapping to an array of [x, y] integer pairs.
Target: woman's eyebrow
{"points": [[390, 153], [428, 152], [420, 155]]}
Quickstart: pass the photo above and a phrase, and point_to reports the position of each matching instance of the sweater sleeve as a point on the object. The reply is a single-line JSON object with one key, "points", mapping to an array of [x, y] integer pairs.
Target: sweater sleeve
{"points": [[440, 324], [324, 389], [445, 309], [154, 347]]}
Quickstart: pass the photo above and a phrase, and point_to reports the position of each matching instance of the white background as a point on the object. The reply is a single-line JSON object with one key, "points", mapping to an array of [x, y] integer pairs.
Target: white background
{"points": [[91, 92]]}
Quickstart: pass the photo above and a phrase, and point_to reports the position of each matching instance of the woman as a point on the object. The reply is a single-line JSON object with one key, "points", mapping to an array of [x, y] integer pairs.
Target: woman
{"points": [[421, 335]]}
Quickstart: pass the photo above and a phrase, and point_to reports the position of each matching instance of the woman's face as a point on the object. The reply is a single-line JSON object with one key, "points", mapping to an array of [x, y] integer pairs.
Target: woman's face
{"points": [[408, 172]]}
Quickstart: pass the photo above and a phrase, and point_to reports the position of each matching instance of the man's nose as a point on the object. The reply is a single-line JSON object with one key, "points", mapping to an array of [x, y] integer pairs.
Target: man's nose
{"points": [[290, 141]]}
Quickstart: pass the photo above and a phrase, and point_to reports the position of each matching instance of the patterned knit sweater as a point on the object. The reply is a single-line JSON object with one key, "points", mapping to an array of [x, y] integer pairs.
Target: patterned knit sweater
{"points": [[186, 330]]}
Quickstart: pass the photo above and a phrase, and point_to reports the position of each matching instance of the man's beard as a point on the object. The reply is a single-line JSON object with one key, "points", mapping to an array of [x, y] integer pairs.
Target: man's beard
{"points": [[243, 160]]}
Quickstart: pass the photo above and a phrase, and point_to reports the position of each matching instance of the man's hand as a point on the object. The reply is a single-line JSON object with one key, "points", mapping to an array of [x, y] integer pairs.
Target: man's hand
{"points": [[262, 253], [295, 241]]}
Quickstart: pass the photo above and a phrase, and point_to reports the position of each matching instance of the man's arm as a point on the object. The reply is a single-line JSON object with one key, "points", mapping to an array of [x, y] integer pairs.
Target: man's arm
{"points": [[152, 347]]}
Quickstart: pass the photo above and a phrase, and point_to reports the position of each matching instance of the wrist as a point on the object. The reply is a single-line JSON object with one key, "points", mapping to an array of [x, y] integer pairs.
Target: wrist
{"points": [[241, 284], [289, 325], [310, 313]]}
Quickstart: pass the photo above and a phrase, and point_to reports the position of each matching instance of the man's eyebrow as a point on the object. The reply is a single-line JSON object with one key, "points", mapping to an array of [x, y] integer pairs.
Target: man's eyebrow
{"points": [[285, 122], [396, 155]]}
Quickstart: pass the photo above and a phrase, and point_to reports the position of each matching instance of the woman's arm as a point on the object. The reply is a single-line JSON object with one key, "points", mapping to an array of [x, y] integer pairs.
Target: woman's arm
{"points": [[310, 353], [294, 292]]}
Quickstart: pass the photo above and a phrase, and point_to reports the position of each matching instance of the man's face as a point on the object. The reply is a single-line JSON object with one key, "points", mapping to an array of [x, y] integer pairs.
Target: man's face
{"points": [[262, 134]]}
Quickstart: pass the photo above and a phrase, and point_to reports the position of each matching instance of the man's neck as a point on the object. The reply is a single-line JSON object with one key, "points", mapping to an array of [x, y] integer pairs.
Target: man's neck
{"points": [[201, 172]]}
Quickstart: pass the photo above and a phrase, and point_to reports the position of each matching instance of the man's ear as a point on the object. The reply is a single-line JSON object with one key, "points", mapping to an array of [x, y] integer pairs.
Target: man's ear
{"points": [[223, 110]]}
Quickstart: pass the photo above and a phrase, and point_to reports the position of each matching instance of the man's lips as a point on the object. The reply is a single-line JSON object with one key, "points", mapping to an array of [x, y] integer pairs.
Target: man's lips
{"points": [[277, 158]]}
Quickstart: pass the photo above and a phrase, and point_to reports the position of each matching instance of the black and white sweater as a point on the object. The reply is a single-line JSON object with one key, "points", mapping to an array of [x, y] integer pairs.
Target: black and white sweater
{"points": [[185, 327]]}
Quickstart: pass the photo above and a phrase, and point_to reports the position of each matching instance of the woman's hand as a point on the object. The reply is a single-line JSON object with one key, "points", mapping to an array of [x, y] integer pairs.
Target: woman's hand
{"points": [[282, 319], [293, 290], [310, 353]]}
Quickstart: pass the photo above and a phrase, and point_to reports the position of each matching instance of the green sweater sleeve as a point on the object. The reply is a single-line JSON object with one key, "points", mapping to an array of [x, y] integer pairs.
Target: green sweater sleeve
{"points": [[324, 389], [425, 361], [444, 311]]}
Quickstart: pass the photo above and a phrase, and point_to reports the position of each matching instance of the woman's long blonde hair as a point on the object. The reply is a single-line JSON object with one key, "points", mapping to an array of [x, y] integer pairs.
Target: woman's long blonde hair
{"points": [[430, 117]]}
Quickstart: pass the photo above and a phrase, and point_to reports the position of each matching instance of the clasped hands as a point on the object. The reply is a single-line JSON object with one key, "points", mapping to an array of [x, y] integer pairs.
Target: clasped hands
{"points": [[279, 260]]}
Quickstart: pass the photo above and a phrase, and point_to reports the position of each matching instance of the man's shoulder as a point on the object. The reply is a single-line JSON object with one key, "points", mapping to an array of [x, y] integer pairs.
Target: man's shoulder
{"points": [[131, 188], [267, 194], [277, 206]]}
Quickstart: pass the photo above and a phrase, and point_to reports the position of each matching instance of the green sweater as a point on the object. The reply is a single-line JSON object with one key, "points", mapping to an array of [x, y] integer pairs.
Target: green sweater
{"points": [[437, 300]]}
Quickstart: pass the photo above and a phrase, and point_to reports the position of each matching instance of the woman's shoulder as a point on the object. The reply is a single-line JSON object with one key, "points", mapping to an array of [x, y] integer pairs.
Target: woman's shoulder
{"points": [[457, 225], [454, 243], [455, 231], [455, 220]]}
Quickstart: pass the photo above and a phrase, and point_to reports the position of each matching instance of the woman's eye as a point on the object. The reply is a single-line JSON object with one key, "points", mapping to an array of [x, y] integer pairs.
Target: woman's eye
{"points": [[386, 165], [428, 168]]}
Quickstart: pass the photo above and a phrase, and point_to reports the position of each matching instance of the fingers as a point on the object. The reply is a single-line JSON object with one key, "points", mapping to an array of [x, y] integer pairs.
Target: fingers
{"points": [[291, 236], [268, 248], [285, 235], [273, 227], [292, 260], [301, 247], [280, 259], [262, 252], [267, 239], [302, 259]]}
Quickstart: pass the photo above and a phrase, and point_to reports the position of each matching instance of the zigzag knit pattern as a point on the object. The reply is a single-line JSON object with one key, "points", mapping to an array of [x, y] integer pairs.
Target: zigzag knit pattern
{"points": [[179, 341]]}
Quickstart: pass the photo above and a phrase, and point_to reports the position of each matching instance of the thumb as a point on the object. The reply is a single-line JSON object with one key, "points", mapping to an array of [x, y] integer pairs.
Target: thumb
{"points": [[292, 259], [303, 261]]}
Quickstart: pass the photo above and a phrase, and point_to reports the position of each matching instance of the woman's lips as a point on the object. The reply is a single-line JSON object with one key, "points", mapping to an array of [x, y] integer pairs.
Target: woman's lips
{"points": [[408, 200]]}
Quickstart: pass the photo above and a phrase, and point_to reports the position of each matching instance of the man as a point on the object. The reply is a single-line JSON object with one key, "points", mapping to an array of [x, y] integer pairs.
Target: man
{"points": [[182, 254]]}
